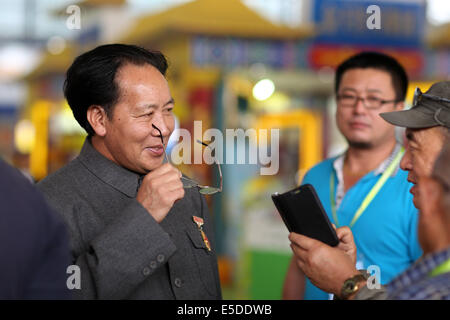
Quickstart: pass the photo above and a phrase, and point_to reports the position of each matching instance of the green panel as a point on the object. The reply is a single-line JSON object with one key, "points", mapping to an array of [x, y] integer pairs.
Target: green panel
{"points": [[267, 273]]}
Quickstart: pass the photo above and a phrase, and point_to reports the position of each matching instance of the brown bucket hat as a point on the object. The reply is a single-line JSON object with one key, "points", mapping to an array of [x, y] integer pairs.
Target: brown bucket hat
{"points": [[429, 109]]}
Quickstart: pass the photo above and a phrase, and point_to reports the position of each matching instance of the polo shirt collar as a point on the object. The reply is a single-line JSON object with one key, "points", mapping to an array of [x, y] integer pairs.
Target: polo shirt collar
{"points": [[118, 177], [385, 164], [338, 163]]}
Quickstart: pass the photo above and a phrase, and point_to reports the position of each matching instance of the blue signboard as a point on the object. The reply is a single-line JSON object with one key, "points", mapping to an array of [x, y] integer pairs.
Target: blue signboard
{"points": [[401, 24], [7, 111], [229, 52], [89, 35]]}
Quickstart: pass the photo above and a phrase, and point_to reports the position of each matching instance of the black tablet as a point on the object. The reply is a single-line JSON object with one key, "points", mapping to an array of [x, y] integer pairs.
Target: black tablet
{"points": [[303, 213]]}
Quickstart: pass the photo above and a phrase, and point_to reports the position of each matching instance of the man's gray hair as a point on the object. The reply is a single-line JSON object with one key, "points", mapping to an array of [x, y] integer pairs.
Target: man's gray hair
{"points": [[441, 172]]}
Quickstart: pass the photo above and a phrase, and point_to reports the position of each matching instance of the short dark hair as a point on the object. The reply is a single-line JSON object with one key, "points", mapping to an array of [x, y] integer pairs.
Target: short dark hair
{"points": [[377, 61], [90, 80]]}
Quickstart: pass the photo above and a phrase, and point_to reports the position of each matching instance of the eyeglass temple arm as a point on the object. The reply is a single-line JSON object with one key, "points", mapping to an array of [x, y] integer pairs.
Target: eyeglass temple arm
{"points": [[162, 141], [220, 174], [217, 162]]}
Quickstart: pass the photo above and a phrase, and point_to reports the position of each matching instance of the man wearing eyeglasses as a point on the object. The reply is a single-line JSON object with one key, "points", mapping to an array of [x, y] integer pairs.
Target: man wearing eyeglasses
{"points": [[428, 135], [136, 231], [364, 188]]}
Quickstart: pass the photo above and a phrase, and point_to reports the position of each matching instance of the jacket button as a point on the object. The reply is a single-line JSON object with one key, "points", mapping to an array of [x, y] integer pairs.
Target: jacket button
{"points": [[153, 265], [160, 258], [146, 271], [178, 282]]}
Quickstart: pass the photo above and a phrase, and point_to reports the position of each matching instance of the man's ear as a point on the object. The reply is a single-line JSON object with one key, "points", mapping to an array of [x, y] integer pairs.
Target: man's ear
{"points": [[430, 196], [97, 118]]}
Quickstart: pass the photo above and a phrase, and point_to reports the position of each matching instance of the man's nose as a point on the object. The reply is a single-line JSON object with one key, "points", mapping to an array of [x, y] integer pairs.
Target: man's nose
{"points": [[359, 106], [405, 163], [161, 124]]}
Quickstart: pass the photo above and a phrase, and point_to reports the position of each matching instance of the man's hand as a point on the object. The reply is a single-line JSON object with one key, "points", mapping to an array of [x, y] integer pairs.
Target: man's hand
{"points": [[325, 266], [346, 242], [159, 190]]}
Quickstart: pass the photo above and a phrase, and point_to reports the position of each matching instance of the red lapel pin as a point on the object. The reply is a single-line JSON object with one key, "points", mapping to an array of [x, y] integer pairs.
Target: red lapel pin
{"points": [[199, 222]]}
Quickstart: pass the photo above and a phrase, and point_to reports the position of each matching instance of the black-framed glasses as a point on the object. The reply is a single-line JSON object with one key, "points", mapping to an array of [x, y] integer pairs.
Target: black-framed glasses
{"points": [[189, 183], [418, 95], [370, 103]]}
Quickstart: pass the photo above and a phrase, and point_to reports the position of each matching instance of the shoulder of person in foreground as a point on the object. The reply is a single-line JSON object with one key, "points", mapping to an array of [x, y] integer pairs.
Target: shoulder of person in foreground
{"points": [[34, 243]]}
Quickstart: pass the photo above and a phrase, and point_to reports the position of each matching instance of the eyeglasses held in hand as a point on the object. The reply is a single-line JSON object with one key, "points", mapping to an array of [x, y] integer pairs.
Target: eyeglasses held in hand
{"points": [[189, 183]]}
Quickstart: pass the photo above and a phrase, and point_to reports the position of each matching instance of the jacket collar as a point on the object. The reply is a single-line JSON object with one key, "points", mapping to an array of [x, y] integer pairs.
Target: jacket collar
{"points": [[118, 177]]}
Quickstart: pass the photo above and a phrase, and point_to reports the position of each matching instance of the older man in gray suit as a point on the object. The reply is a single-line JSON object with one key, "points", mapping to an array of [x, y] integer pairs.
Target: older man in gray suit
{"points": [[136, 232]]}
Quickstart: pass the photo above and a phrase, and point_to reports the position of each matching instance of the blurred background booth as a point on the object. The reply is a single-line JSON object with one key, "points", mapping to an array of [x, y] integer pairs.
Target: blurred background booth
{"points": [[256, 69]]}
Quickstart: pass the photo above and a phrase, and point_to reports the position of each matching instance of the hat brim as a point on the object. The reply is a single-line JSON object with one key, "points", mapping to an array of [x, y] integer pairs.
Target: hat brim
{"points": [[409, 119]]}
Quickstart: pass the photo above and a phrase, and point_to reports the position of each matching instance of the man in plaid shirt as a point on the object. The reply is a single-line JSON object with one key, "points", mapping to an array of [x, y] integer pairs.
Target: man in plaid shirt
{"points": [[333, 269], [429, 277]]}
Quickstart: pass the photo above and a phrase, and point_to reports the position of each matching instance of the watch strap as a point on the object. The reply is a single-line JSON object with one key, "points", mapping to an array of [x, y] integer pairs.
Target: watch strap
{"points": [[346, 291]]}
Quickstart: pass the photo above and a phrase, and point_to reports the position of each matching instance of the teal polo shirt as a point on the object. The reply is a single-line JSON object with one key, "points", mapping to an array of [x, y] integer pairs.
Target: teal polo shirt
{"points": [[386, 233]]}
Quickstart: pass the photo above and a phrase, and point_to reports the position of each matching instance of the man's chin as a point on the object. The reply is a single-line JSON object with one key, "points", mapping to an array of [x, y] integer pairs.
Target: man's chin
{"points": [[149, 163], [359, 144], [143, 169], [416, 202], [152, 166]]}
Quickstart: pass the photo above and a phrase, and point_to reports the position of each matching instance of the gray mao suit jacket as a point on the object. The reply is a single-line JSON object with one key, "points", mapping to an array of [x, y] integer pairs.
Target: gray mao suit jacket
{"points": [[122, 252]]}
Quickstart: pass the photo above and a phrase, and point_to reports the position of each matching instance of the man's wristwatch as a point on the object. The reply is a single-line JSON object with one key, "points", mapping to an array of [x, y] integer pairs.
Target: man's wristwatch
{"points": [[351, 285]]}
